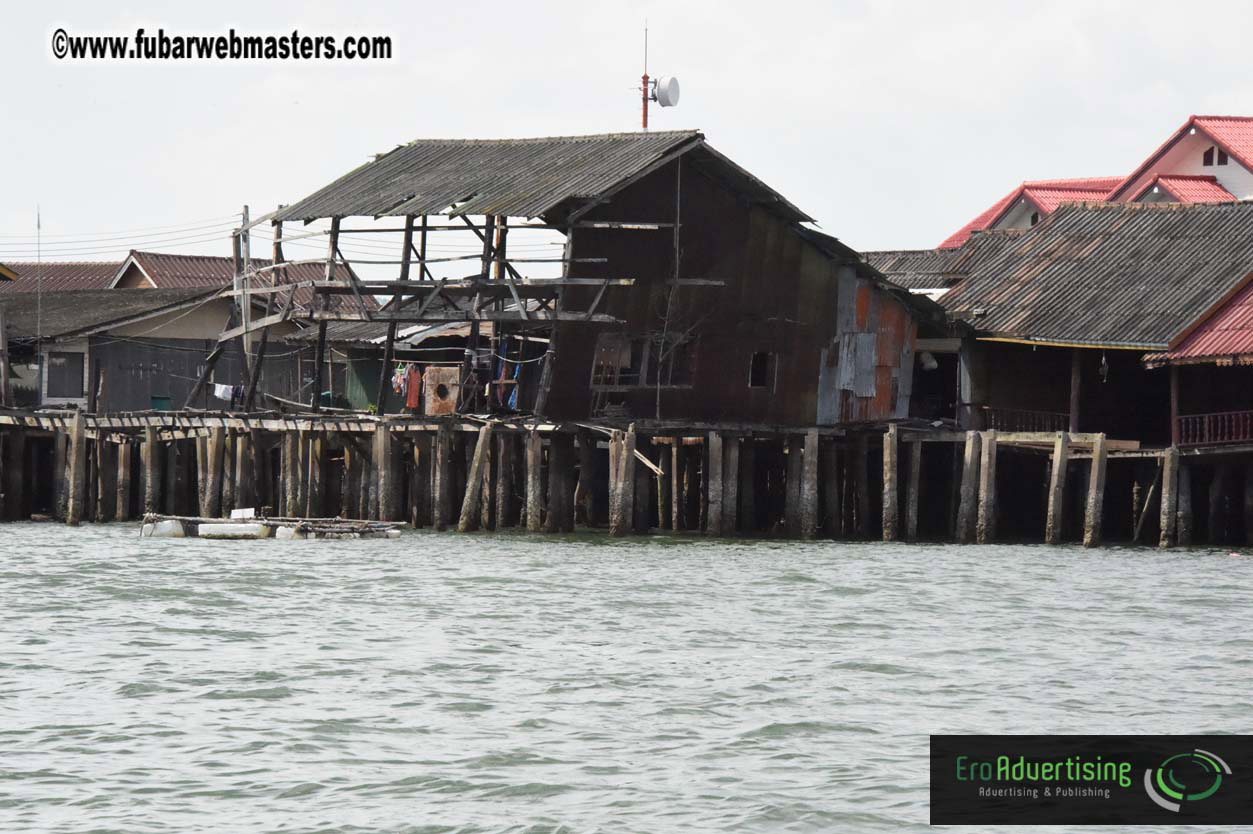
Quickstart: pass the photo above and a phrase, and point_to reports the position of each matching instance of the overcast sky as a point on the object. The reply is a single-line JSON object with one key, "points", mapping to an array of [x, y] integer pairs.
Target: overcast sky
{"points": [[892, 123]]}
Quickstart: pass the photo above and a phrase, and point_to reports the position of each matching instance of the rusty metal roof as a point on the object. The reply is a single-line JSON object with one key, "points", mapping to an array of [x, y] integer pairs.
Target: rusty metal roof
{"points": [[1110, 274], [515, 177], [55, 313], [52, 276], [915, 269]]}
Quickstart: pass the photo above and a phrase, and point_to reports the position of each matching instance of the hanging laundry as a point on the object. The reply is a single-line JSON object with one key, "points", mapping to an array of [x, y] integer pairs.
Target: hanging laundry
{"points": [[413, 382], [222, 392], [398, 380]]}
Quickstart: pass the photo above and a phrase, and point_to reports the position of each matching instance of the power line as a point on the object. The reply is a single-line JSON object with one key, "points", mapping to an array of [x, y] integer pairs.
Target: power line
{"points": [[210, 221]]}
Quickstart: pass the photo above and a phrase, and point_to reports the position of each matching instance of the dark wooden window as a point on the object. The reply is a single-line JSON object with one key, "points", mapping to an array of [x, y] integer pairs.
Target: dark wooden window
{"points": [[1222, 157], [1207, 158], [624, 362], [1035, 217], [65, 375], [761, 370]]}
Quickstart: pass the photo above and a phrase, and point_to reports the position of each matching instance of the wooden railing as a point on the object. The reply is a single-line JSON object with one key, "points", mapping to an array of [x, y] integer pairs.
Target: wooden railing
{"points": [[1020, 419], [1216, 428]]}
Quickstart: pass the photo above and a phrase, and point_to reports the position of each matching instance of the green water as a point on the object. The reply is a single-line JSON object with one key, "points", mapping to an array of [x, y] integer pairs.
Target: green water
{"points": [[445, 683]]}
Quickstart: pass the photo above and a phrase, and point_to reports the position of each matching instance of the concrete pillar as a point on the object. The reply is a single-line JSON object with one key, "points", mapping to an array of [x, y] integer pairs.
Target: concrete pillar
{"points": [[913, 490], [1094, 514], [891, 491], [713, 495], [1057, 489], [730, 485], [809, 485], [76, 504], [793, 473], [967, 506], [985, 526], [1170, 496]]}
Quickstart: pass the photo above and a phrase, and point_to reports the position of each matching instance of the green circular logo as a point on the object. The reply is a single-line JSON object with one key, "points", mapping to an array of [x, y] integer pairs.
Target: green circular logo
{"points": [[1185, 777]]}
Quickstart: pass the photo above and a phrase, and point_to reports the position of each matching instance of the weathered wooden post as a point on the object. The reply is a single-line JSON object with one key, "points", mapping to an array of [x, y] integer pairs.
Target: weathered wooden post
{"points": [[560, 493], [534, 481], [793, 472], [60, 486], [488, 475], [642, 508], [441, 479], [106, 478], [678, 500], [77, 491], [832, 499], [349, 500], [291, 474], [505, 513], [747, 514], [315, 491], [174, 478], [584, 492], [470, 514], [245, 475], [1170, 496], [16, 494], [1183, 518], [967, 502], [1094, 514], [985, 526], [211, 493], [713, 497], [1057, 489], [891, 491], [622, 489], [730, 484], [228, 473], [861, 483], [913, 490], [424, 475], [665, 484], [122, 503], [389, 484]]}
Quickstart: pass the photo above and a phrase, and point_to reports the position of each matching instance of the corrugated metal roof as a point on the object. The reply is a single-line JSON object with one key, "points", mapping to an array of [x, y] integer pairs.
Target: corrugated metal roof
{"points": [[1114, 274], [929, 269], [515, 177], [53, 276], [1227, 334], [58, 312], [172, 271]]}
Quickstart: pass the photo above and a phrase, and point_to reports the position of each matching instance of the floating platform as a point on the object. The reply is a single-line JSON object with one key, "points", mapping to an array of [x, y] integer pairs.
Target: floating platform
{"points": [[247, 525]]}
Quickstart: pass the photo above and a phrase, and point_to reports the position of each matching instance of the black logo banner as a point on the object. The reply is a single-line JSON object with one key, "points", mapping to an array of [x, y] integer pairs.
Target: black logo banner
{"points": [[1092, 780]]}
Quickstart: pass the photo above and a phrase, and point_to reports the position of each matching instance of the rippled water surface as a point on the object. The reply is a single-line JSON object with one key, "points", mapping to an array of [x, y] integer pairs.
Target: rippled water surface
{"points": [[505, 683]]}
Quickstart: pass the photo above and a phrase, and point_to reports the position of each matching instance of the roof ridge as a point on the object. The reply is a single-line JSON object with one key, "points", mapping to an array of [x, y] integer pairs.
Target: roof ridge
{"points": [[636, 134], [1229, 118]]}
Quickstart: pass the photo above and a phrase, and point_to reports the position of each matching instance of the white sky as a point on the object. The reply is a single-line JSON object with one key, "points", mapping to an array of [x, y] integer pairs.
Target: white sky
{"points": [[891, 122]]}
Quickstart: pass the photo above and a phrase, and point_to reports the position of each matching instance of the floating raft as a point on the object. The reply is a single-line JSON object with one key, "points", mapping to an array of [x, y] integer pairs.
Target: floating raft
{"points": [[245, 525]]}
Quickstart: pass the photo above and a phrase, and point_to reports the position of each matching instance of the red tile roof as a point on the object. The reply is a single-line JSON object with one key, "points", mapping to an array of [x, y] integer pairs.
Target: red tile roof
{"points": [[1046, 195], [1233, 134], [60, 275], [1227, 334], [1191, 188]]}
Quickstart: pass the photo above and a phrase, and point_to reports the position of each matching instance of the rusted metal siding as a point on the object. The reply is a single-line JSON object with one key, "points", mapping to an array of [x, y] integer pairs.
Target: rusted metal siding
{"points": [[782, 296]]}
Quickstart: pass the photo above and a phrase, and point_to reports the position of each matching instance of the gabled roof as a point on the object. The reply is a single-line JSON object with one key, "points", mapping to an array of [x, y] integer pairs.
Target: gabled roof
{"points": [[515, 177], [1233, 134], [166, 271], [52, 276], [1045, 195], [1227, 335], [1189, 188], [68, 313], [1136, 275]]}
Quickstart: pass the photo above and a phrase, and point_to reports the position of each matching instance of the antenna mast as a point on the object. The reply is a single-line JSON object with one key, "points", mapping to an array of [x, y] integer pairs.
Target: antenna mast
{"points": [[644, 87]]}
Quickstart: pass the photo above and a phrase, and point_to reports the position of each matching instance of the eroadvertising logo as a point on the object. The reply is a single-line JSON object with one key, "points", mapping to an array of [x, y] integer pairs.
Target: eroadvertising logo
{"points": [[1092, 780]]}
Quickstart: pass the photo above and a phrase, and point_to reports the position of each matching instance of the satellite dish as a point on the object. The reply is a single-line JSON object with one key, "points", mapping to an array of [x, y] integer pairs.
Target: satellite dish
{"points": [[667, 91]]}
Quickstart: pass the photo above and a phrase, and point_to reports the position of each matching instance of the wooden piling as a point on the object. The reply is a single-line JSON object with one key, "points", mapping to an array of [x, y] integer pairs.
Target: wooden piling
{"points": [[470, 504], [228, 474], [642, 506], [1094, 513], [487, 485], [534, 481], [622, 490], [245, 474], [16, 492], [913, 490], [505, 512], [585, 490], [420, 481], [560, 516], [730, 484], [315, 490], [211, 493], [861, 484], [291, 472], [985, 524], [385, 463], [967, 506], [60, 485], [746, 491], [1183, 517], [713, 493], [122, 503], [832, 508], [678, 472], [793, 472], [665, 484], [441, 479], [1147, 508], [173, 479], [1170, 496], [891, 491], [77, 487], [1057, 489], [1218, 505]]}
